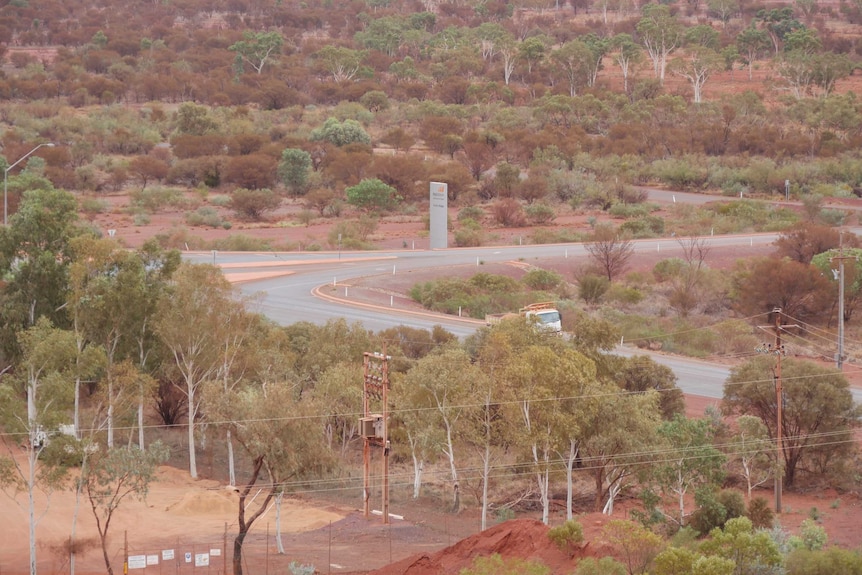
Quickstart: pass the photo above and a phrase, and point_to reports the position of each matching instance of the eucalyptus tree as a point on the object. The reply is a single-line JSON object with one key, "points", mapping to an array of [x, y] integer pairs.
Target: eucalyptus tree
{"points": [[188, 322], [315, 348], [342, 64], [687, 461], [627, 54], [699, 63], [724, 10], [35, 255], [111, 476], [751, 43], [112, 299], [573, 62], [443, 384], [777, 23], [544, 383], [233, 341], [33, 403], [619, 442], [661, 33], [339, 394], [598, 47], [533, 50], [272, 425], [751, 449], [422, 439], [818, 411], [256, 49]]}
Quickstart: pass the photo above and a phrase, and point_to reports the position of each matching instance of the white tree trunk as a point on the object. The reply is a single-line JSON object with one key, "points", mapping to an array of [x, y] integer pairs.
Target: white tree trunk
{"points": [[418, 466], [193, 466], [278, 498], [542, 480], [450, 453], [76, 416], [486, 473], [110, 419], [613, 490], [570, 466], [230, 464], [141, 445]]}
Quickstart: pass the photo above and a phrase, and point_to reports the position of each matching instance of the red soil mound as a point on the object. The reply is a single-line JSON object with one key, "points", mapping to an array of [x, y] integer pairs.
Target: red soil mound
{"points": [[521, 538]]}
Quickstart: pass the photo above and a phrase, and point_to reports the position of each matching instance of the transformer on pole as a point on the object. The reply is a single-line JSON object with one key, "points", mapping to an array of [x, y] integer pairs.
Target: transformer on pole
{"points": [[373, 425]]}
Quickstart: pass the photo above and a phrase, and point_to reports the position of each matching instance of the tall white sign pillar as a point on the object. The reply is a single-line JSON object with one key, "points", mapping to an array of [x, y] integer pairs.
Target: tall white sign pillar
{"points": [[439, 215]]}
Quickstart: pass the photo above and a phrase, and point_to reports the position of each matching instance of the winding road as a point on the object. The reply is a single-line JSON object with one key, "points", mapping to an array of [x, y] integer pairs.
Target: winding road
{"points": [[288, 296]]}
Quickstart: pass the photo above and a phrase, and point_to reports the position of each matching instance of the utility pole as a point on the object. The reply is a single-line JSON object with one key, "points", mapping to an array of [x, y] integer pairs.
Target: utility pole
{"points": [[777, 349], [373, 426], [839, 276]]}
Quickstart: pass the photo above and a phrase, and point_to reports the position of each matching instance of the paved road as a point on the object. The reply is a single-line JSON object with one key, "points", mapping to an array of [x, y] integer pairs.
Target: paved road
{"points": [[289, 298]]}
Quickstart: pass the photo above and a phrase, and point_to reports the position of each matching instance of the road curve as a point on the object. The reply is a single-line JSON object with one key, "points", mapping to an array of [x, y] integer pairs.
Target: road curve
{"points": [[291, 297]]}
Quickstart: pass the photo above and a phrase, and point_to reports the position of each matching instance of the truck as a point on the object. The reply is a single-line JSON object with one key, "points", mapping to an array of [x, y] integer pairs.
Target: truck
{"points": [[545, 312]]}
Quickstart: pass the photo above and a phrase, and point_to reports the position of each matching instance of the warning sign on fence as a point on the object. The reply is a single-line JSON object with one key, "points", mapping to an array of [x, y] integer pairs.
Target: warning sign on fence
{"points": [[202, 559]]}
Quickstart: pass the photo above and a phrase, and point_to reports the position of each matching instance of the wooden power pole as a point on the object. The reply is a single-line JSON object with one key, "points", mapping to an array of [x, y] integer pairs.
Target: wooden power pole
{"points": [[373, 425], [777, 349]]}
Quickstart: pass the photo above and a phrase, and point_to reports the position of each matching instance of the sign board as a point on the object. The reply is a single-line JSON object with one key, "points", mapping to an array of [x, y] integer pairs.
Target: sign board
{"points": [[215, 552], [202, 559], [439, 200], [152, 559], [137, 561], [188, 557], [167, 554]]}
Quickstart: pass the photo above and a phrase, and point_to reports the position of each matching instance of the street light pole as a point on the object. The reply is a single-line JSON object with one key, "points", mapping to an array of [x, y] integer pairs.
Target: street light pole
{"points": [[6, 180]]}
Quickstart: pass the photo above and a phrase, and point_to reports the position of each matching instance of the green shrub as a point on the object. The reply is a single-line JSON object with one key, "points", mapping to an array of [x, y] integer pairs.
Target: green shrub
{"points": [[812, 535], [497, 565], [831, 561], [494, 283], [560, 236], [219, 200], [352, 235], [181, 239], [645, 227], [592, 287], [680, 173], [540, 213], [603, 566], [93, 206], [833, 217], [710, 513], [241, 243], [625, 294], [627, 211], [204, 216], [733, 502], [668, 269], [567, 536], [155, 199], [474, 213], [372, 194], [539, 279], [468, 238], [760, 513]]}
